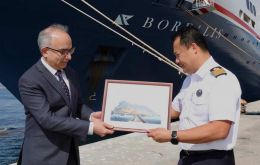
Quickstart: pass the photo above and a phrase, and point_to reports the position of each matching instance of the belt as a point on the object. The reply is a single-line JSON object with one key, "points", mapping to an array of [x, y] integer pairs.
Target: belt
{"points": [[201, 152]]}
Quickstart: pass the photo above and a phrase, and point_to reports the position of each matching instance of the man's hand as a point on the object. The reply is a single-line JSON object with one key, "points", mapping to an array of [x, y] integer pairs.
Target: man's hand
{"points": [[96, 116], [102, 129], [160, 135]]}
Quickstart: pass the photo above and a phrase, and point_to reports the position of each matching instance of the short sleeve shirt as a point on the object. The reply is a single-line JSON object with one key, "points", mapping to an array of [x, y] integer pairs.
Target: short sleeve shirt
{"points": [[205, 97]]}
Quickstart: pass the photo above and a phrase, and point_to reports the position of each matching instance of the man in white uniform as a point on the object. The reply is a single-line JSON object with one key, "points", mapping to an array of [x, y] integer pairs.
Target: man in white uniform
{"points": [[208, 105]]}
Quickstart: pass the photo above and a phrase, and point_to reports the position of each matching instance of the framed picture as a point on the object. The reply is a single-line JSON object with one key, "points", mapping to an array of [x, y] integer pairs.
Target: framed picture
{"points": [[137, 106]]}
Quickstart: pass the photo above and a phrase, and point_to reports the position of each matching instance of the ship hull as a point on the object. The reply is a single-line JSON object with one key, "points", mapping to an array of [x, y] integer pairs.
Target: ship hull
{"points": [[100, 54]]}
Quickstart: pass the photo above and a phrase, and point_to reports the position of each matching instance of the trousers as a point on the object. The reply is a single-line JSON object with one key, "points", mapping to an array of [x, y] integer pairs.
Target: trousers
{"points": [[207, 157]]}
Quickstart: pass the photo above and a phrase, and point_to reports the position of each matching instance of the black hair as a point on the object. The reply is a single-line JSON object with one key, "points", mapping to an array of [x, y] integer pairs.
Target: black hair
{"points": [[189, 35]]}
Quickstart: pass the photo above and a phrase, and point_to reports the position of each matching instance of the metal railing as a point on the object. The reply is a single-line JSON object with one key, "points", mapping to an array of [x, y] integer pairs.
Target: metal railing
{"points": [[203, 3]]}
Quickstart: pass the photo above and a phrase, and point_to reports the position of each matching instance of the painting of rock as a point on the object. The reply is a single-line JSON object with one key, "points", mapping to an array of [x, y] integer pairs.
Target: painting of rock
{"points": [[128, 112]]}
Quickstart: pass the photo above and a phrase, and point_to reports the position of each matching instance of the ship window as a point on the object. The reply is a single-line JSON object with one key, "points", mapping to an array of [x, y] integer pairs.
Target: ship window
{"points": [[226, 34], [240, 13], [253, 23], [246, 18], [251, 7], [254, 10], [235, 37], [247, 4], [242, 39]]}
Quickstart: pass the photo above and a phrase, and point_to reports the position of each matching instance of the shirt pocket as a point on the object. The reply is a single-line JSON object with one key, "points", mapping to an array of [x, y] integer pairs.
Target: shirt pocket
{"points": [[198, 100], [200, 105]]}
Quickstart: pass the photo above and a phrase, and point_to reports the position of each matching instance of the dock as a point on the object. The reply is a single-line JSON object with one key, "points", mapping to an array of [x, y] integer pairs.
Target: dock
{"points": [[138, 149], [247, 149]]}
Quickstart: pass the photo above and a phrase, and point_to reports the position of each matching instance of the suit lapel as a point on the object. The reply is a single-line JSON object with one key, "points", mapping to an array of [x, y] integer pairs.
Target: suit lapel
{"points": [[53, 81]]}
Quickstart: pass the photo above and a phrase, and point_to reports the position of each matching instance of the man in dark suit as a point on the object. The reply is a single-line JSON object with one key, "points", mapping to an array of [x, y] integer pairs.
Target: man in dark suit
{"points": [[55, 115]]}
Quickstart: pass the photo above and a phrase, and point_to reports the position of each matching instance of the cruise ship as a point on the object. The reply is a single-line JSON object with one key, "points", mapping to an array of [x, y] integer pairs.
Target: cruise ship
{"points": [[124, 40]]}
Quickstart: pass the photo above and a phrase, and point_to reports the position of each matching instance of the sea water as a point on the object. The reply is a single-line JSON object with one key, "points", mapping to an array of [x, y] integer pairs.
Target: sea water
{"points": [[11, 127]]}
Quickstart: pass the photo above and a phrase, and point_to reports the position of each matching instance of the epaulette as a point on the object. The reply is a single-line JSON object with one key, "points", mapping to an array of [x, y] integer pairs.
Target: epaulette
{"points": [[218, 71]]}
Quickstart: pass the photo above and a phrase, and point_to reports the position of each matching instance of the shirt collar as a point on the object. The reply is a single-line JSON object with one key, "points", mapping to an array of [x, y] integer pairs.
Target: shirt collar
{"points": [[51, 69], [205, 68]]}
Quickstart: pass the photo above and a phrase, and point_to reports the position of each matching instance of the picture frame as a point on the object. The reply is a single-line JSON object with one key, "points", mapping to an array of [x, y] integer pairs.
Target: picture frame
{"points": [[137, 106]]}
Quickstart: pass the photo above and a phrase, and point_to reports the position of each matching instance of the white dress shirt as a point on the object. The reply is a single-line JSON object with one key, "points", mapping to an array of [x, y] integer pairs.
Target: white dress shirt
{"points": [[204, 98]]}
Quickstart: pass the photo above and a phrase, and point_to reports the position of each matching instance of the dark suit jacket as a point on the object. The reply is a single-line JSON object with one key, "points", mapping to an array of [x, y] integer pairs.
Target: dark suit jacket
{"points": [[51, 122]]}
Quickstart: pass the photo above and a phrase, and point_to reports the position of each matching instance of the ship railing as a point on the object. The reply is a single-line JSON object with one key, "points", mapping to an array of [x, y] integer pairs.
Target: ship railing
{"points": [[198, 4]]}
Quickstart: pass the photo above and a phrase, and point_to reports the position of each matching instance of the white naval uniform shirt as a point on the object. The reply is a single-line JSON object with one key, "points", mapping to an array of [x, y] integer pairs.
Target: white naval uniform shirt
{"points": [[204, 98]]}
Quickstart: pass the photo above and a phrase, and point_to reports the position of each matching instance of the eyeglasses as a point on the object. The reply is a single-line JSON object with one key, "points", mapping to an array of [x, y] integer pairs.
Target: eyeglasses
{"points": [[63, 52]]}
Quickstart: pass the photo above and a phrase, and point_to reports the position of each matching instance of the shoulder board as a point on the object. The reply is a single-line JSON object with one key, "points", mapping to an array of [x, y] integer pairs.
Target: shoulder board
{"points": [[218, 71]]}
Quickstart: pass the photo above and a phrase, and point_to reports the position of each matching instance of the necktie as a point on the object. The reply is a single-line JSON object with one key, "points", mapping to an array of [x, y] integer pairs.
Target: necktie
{"points": [[63, 84]]}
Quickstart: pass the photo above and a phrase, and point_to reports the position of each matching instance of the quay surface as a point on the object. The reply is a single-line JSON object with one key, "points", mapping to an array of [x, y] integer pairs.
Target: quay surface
{"points": [[138, 149]]}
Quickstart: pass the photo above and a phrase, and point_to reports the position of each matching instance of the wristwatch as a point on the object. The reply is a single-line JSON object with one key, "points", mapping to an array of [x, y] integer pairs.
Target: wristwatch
{"points": [[174, 139]]}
